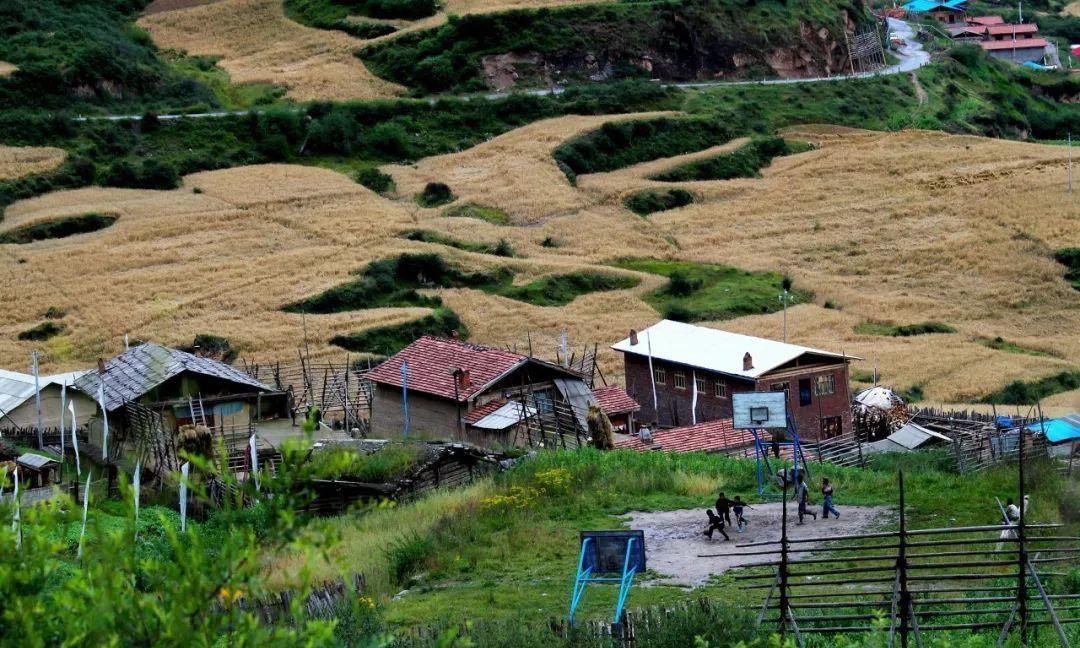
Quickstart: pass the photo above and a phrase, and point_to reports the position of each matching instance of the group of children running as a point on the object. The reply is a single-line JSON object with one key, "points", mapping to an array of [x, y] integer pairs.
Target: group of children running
{"points": [[725, 507]]}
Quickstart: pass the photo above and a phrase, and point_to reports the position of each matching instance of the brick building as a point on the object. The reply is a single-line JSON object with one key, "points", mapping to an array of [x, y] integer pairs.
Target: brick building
{"points": [[469, 392], [716, 364]]}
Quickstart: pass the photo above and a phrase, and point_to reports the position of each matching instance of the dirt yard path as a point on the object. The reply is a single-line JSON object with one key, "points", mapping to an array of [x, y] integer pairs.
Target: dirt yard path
{"points": [[674, 540]]}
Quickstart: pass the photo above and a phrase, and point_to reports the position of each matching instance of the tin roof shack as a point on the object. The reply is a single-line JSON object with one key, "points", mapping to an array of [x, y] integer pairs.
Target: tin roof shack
{"points": [[718, 363], [37, 471], [948, 12], [18, 410], [470, 392], [1026, 49], [179, 387]]}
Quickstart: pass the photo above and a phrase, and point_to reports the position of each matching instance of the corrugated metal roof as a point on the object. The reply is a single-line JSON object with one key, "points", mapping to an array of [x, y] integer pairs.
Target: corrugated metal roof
{"points": [[17, 388], [912, 436], [140, 369], [508, 414], [35, 461], [715, 350]]}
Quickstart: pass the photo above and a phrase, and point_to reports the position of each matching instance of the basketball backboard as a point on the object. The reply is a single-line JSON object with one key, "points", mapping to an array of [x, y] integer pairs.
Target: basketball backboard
{"points": [[605, 552], [759, 410]]}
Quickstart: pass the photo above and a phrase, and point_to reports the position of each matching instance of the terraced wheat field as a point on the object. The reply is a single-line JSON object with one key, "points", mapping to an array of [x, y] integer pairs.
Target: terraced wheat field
{"points": [[19, 161], [900, 227]]}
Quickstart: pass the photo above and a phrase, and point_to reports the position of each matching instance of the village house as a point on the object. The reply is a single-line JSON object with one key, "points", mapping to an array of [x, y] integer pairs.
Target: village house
{"points": [[469, 392], [1017, 43], [948, 12], [18, 407], [180, 388], [689, 360], [718, 437], [618, 406]]}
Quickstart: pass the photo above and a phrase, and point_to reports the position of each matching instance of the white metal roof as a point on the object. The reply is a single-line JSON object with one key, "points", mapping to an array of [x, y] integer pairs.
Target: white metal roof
{"points": [[912, 436], [715, 350], [35, 461], [16, 388], [502, 418]]}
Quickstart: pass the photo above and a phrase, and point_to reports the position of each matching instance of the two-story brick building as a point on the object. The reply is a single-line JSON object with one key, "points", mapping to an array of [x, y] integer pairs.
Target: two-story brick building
{"points": [[715, 364]]}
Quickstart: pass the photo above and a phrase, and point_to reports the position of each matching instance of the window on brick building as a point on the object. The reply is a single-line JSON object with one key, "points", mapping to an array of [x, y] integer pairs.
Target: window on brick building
{"points": [[699, 384], [831, 426], [660, 376], [720, 389], [825, 385], [778, 387], [679, 380], [804, 392]]}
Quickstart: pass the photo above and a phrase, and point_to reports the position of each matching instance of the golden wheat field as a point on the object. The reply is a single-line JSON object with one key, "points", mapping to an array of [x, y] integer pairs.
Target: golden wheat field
{"points": [[894, 227], [19, 161], [7, 69], [258, 44], [1072, 9]]}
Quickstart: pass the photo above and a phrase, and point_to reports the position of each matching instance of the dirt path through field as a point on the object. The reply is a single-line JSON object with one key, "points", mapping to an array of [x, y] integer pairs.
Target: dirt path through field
{"points": [[674, 539]]}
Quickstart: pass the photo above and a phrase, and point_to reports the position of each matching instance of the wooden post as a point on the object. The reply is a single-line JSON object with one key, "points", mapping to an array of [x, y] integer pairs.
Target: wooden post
{"points": [[901, 570], [1022, 558], [783, 570]]}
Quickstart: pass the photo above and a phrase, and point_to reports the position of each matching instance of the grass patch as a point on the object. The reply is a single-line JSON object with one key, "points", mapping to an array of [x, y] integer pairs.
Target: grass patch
{"points": [[435, 194], [493, 215], [1001, 344], [1020, 392], [502, 248], [57, 228], [621, 144], [746, 162], [388, 340], [906, 330], [559, 290], [389, 463], [651, 201], [42, 332], [702, 291], [334, 14], [394, 283], [1070, 258]]}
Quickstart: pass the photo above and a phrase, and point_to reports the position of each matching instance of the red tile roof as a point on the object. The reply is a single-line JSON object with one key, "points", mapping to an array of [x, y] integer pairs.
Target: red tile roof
{"points": [[711, 436], [1022, 43], [613, 399], [432, 362], [986, 20], [1026, 28], [478, 413]]}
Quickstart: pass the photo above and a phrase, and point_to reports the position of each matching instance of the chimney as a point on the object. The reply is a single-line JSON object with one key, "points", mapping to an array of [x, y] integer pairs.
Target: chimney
{"points": [[463, 378], [633, 337], [747, 362], [100, 366]]}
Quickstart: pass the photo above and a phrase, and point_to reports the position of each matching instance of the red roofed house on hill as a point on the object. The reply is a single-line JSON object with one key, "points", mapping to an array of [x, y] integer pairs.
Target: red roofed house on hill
{"points": [[618, 406], [470, 392], [686, 358]]}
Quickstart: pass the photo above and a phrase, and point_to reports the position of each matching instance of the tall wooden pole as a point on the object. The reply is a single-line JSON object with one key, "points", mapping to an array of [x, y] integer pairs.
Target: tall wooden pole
{"points": [[1022, 558], [37, 400], [783, 562], [901, 569]]}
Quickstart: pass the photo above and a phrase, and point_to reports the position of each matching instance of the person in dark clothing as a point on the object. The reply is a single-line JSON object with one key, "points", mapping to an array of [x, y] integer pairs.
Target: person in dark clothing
{"points": [[826, 504], [802, 495], [716, 523], [737, 508], [723, 507]]}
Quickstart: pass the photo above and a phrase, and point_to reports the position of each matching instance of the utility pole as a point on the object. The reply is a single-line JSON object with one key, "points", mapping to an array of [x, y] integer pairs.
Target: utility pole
{"points": [[1070, 162], [785, 298]]}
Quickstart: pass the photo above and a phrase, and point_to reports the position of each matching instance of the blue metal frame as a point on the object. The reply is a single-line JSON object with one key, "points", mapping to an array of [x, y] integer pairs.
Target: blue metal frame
{"points": [[584, 577], [761, 450]]}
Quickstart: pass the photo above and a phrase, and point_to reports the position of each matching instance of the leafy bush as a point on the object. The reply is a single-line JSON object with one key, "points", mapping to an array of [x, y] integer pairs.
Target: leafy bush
{"points": [[502, 248], [1020, 392], [435, 194], [620, 144], [493, 215], [57, 228], [406, 555], [559, 290], [1070, 258], [42, 331], [213, 346], [54, 312], [650, 200], [375, 180], [682, 284], [388, 340]]}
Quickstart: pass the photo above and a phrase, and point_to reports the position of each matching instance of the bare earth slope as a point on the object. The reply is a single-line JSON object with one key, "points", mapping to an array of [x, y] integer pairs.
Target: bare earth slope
{"points": [[899, 227]]}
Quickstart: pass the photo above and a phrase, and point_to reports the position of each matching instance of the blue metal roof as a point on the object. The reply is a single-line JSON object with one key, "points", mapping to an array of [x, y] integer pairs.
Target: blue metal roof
{"points": [[1059, 430], [923, 6]]}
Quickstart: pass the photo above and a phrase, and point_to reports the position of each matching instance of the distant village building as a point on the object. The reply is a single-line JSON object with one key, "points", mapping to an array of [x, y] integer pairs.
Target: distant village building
{"points": [[181, 388], [1017, 43], [470, 392], [619, 407], [37, 471], [711, 436], [948, 12], [18, 407], [717, 364]]}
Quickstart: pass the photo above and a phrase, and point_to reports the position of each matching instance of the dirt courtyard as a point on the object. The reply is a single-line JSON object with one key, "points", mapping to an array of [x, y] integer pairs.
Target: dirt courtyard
{"points": [[674, 539]]}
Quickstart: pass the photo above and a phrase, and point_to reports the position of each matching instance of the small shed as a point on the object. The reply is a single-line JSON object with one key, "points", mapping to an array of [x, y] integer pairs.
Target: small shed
{"points": [[618, 406], [37, 471], [908, 438], [18, 407]]}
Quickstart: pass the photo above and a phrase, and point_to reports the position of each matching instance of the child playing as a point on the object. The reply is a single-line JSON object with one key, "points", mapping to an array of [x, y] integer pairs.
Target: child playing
{"points": [[737, 508], [716, 523]]}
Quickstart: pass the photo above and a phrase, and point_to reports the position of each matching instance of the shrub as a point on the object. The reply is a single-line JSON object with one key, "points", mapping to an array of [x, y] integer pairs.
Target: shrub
{"points": [[650, 201], [375, 180], [213, 346], [57, 228], [559, 290], [906, 330], [746, 162], [54, 312], [42, 332], [435, 194], [388, 340], [503, 249], [406, 555], [492, 215], [1070, 258], [1019, 392], [682, 284]]}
